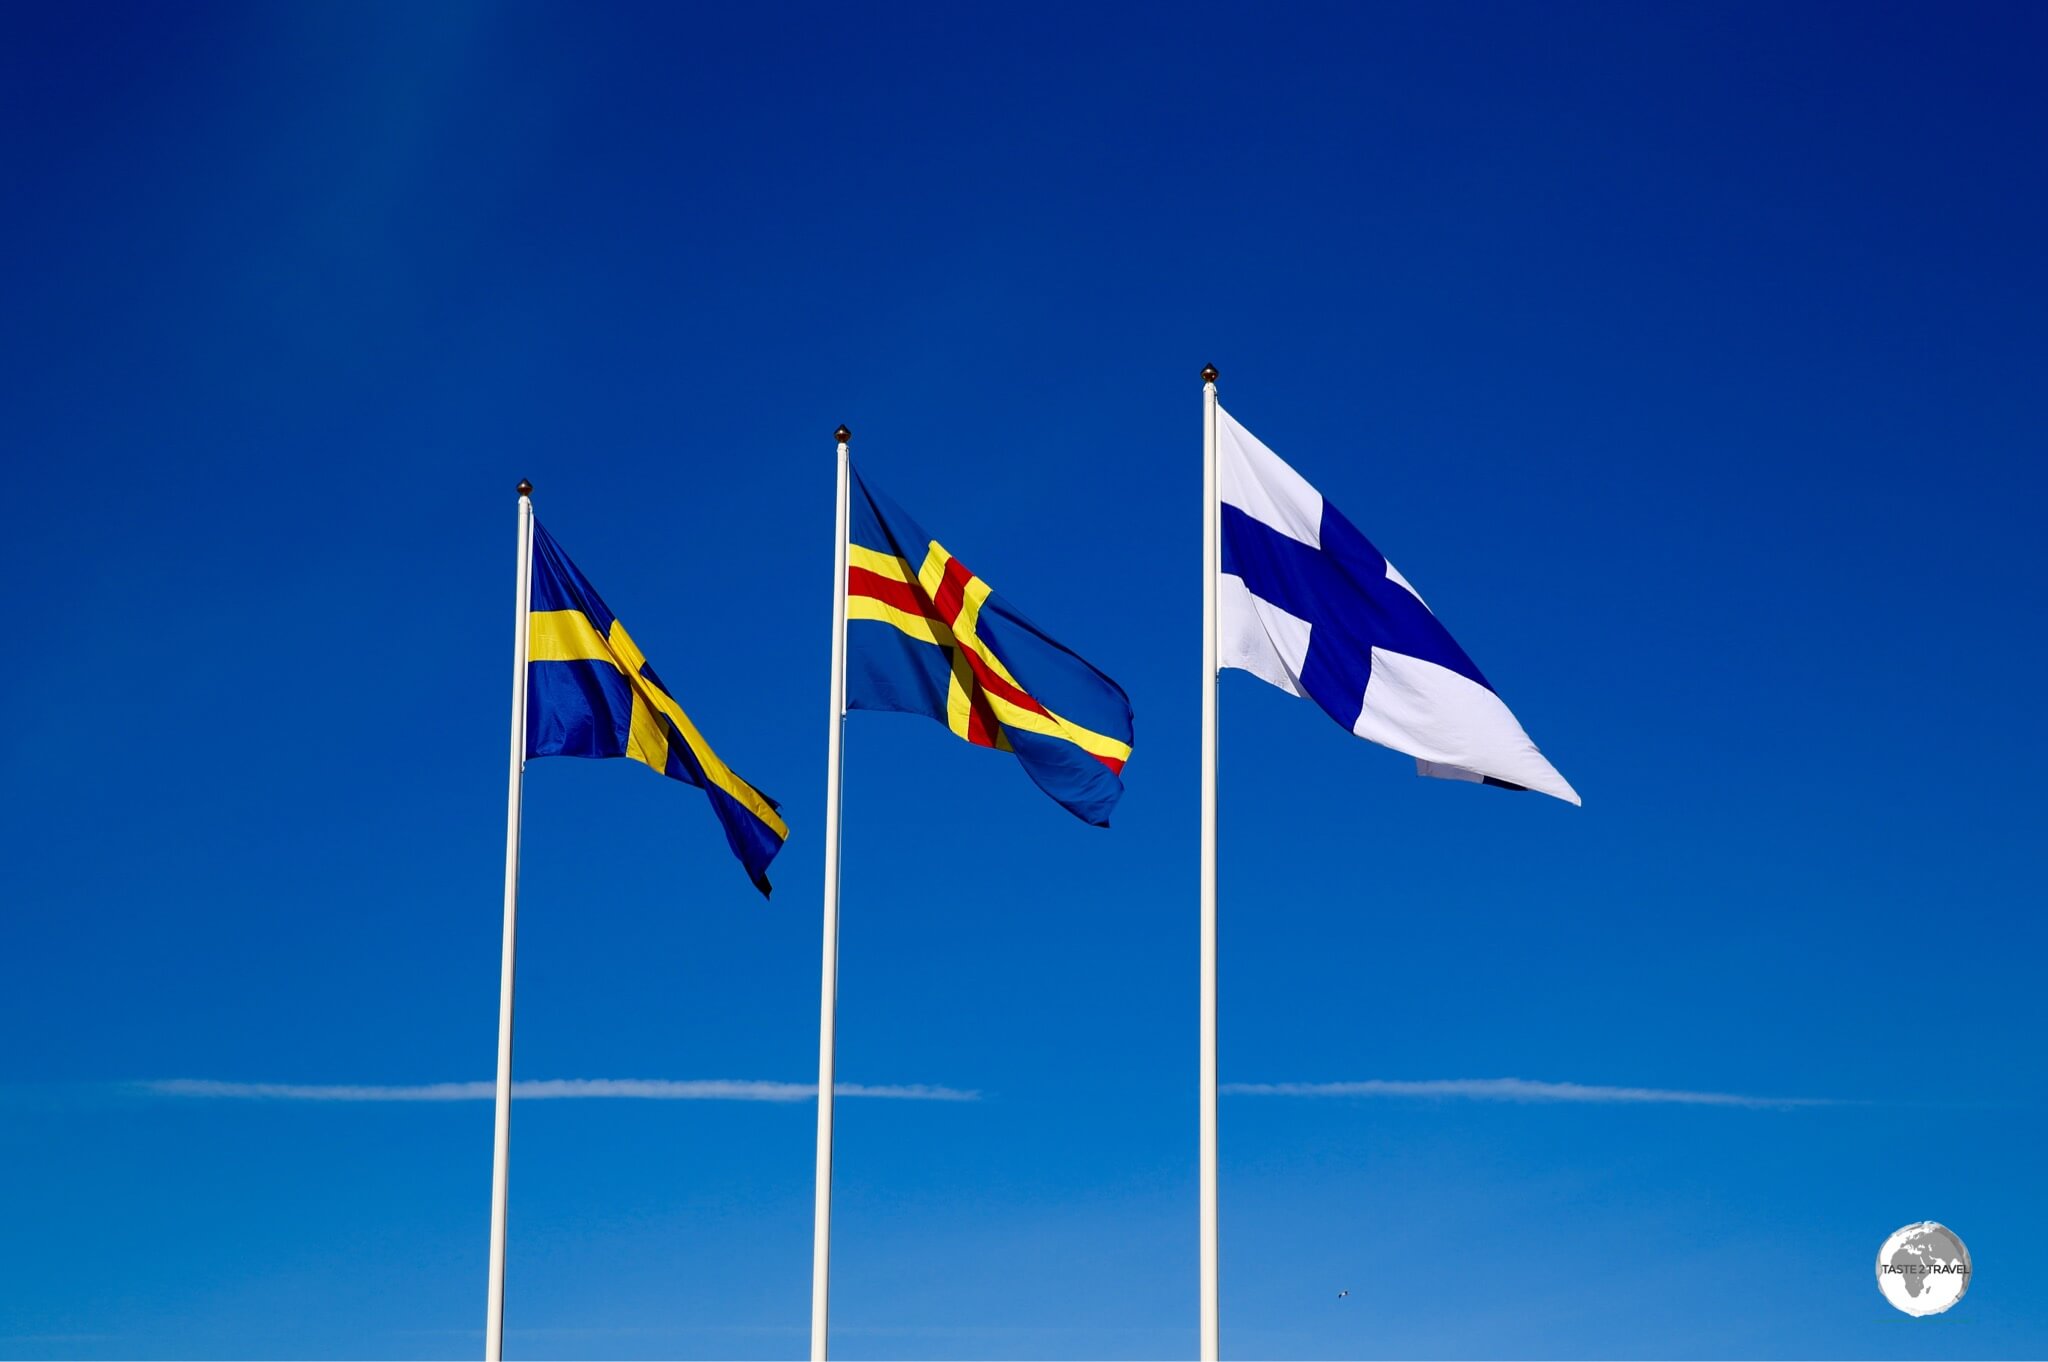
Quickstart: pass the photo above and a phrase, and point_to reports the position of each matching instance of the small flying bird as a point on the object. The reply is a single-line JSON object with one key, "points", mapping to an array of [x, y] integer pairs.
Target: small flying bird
{"points": [[1342, 1294]]}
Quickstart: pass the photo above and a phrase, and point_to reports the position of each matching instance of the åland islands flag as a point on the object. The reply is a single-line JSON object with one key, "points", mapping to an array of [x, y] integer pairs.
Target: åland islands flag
{"points": [[1306, 603], [927, 636], [590, 693]]}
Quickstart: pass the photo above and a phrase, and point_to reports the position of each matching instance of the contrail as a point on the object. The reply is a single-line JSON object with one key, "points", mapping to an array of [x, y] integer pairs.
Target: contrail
{"points": [[657, 1089], [1516, 1090]]}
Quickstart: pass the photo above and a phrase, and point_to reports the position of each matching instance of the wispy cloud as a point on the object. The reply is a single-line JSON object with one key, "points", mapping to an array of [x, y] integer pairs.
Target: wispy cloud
{"points": [[1517, 1090], [654, 1089]]}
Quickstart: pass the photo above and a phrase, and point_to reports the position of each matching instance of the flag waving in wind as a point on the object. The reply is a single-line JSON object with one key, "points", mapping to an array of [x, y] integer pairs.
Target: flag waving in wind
{"points": [[927, 636], [1307, 603], [592, 694]]}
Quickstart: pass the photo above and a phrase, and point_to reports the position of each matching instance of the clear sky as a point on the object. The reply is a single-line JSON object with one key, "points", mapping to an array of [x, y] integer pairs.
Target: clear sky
{"points": [[1689, 360]]}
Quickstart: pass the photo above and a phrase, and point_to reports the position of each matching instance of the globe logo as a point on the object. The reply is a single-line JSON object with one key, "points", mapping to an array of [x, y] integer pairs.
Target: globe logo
{"points": [[1923, 1269]]}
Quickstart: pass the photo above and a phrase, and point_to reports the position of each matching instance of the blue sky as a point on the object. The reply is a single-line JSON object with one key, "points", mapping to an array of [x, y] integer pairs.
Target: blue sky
{"points": [[1688, 361]]}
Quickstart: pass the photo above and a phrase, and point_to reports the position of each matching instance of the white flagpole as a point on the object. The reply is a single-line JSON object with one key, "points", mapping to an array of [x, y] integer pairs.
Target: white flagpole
{"points": [[1211, 1246], [828, 997], [494, 1318]]}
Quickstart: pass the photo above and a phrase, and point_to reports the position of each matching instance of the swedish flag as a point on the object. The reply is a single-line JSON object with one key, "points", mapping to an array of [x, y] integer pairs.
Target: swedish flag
{"points": [[590, 693]]}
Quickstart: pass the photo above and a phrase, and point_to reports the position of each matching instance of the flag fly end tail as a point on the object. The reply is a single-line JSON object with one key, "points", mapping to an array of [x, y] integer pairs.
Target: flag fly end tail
{"points": [[1553, 784]]}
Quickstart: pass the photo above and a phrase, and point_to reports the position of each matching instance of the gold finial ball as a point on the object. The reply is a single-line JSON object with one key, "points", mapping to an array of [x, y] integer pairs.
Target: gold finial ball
{"points": [[1208, 373], [525, 488], [842, 435]]}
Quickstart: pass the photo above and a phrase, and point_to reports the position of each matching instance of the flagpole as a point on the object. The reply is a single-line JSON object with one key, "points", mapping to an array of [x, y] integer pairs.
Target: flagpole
{"points": [[494, 1318], [828, 996], [1211, 1246]]}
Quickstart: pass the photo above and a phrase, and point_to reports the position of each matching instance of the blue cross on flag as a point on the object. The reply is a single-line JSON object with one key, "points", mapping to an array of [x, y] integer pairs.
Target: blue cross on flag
{"points": [[1306, 603]]}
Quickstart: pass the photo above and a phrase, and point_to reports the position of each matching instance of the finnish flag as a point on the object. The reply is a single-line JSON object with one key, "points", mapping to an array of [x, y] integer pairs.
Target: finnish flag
{"points": [[1308, 604]]}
